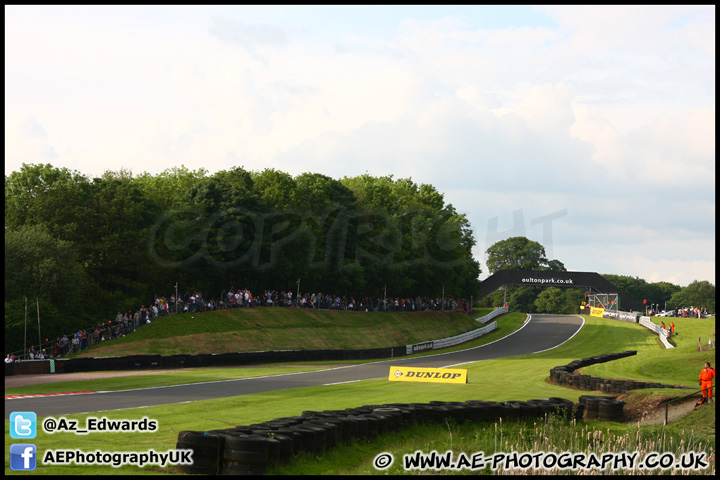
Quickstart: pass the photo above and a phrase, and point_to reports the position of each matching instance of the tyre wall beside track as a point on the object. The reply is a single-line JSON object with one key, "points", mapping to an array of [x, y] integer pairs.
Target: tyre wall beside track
{"points": [[147, 362], [253, 449], [566, 376]]}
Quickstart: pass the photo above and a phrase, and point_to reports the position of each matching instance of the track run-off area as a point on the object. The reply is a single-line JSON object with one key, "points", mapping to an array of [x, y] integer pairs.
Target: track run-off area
{"points": [[539, 333]]}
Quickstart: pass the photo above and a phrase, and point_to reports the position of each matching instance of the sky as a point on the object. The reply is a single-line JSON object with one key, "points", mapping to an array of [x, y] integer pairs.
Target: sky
{"points": [[588, 129]]}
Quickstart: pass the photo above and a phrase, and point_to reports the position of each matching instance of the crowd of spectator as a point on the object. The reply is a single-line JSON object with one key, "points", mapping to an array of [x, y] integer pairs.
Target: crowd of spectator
{"points": [[685, 312], [161, 306], [243, 298], [692, 312]]}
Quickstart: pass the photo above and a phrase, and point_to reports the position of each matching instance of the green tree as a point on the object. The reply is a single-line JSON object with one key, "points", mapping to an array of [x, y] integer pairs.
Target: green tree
{"points": [[417, 243], [116, 220], [550, 300], [275, 189], [41, 267], [170, 188], [573, 299], [516, 253], [698, 294], [47, 196]]}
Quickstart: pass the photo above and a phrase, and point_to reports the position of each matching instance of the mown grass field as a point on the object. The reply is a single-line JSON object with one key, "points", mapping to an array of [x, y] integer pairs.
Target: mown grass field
{"points": [[516, 378]]}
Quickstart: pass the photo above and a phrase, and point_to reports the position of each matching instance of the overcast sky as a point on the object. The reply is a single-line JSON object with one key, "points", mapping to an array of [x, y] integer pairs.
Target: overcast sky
{"points": [[589, 129]]}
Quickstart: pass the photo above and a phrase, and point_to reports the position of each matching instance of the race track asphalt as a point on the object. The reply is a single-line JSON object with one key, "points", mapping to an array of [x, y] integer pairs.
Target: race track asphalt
{"points": [[539, 333]]}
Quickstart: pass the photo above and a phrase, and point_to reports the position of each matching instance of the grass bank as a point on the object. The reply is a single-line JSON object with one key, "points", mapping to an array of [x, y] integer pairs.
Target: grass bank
{"points": [[279, 328]]}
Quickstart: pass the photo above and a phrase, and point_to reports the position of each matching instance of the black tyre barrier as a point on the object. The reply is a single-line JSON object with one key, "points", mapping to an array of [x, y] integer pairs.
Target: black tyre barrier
{"points": [[383, 422], [207, 452], [307, 441], [252, 449], [512, 410], [578, 412], [333, 435], [317, 433], [349, 428], [296, 438], [360, 428], [394, 414], [423, 412], [313, 414], [565, 375], [555, 406], [527, 410], [407, 412], [544, 405], [610, 410], [281, 452], [491, 411], [592, 408], [249, 454], [370, 426]]}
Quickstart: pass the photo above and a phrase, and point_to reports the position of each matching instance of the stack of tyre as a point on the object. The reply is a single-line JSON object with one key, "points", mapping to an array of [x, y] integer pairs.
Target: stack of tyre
{"points": [[566, 376], [605, 408], [252, 449]]}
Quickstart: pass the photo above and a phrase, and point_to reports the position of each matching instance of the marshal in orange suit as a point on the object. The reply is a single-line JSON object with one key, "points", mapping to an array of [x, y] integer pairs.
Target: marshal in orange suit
{"points": [[706, 377]]}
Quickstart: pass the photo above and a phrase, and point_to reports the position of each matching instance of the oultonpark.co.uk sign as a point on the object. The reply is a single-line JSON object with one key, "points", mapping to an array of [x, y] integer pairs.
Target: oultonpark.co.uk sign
{"points": [[437, 375]]}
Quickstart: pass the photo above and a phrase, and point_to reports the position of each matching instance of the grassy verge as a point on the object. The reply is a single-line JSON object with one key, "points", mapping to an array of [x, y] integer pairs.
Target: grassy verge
{"points": [[678, 366], [279, 328], [483, 440]]}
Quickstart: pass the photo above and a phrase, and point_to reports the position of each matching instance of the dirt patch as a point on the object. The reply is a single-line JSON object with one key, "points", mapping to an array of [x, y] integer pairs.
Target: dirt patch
{"points": [[650, 409]]}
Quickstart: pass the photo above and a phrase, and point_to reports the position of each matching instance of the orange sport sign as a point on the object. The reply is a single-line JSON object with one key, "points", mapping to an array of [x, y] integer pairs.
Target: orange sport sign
{"points": [[436, 375]]}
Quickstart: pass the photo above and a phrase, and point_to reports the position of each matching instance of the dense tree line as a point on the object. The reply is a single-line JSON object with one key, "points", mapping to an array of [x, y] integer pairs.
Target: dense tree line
{"points": [[89, 247], [519, 253], [85, 248]]}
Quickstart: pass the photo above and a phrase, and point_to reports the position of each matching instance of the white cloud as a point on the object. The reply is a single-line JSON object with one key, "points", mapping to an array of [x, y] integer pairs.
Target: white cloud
{"points": [[609, 115], [28, 140]]}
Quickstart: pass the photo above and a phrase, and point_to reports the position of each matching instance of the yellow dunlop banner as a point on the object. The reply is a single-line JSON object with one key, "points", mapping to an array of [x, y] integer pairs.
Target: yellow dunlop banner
{"points": [[597, 312], [437, 375]]}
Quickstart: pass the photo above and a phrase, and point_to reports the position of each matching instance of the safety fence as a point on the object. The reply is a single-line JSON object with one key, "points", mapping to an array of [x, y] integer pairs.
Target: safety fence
{"points": [[668, 402], [495, 313], [661, 332], [451, 341]]}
